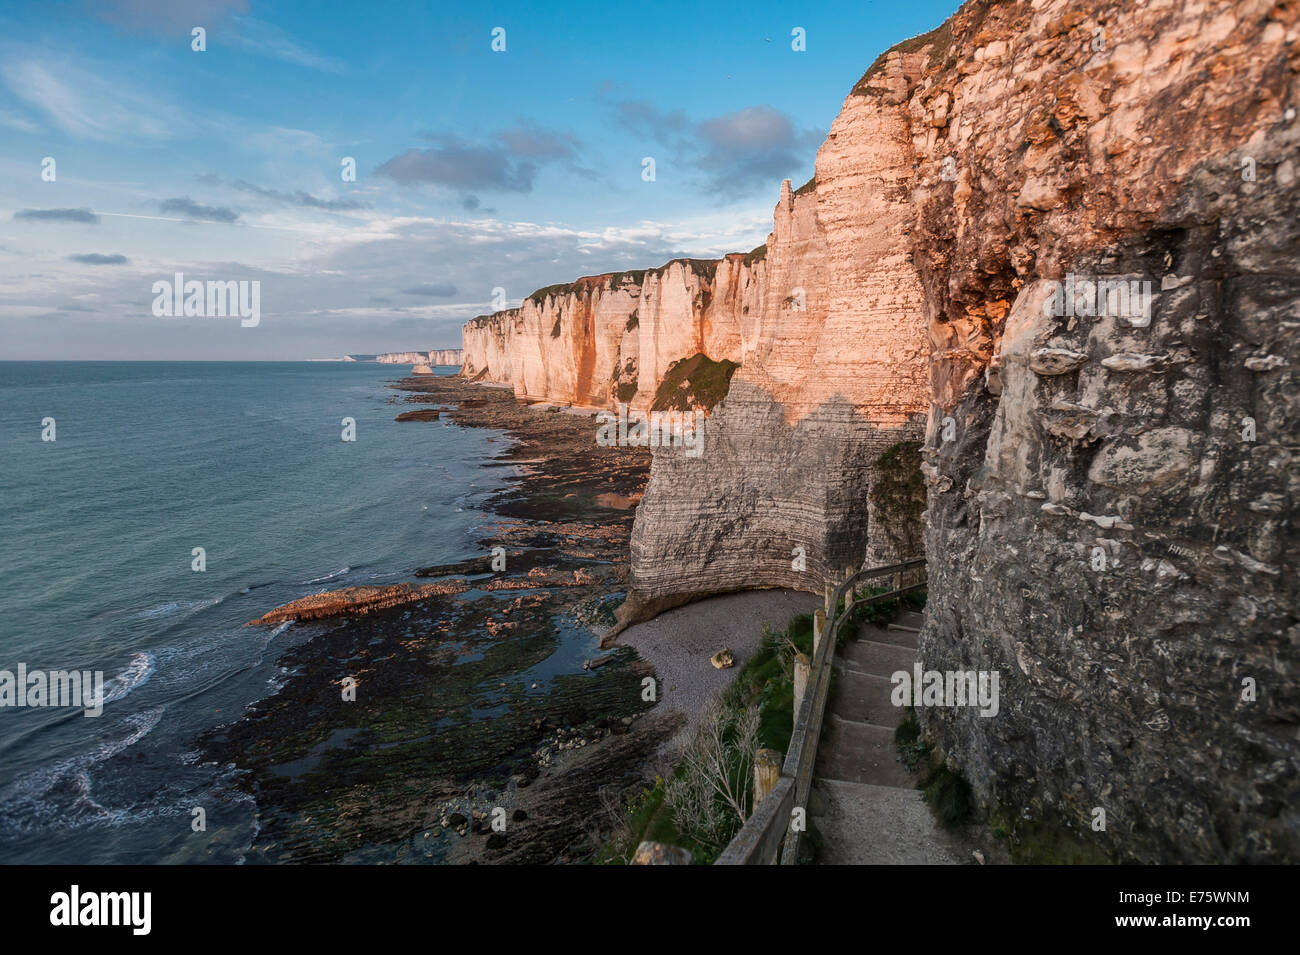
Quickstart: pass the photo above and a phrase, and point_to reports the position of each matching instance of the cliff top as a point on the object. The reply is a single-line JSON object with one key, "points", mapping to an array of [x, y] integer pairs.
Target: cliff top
{"points": [[590, 283]]}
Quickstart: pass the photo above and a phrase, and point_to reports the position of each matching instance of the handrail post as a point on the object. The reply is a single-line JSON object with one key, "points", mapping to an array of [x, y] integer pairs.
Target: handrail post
{"points": [[766, 836], [801, 670], [767, 770]]}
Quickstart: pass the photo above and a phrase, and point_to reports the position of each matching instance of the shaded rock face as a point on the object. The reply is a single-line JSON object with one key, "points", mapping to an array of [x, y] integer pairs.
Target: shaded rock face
{"points": [[1111, 496], [767, 504]]}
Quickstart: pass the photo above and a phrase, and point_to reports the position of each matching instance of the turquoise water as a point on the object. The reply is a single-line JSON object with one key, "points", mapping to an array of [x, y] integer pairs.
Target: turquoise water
{"points": [[97, 531]]}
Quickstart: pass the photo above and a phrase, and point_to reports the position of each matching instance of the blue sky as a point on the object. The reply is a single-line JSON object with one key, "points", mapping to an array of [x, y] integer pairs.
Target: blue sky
{"points": [[475, 169]]}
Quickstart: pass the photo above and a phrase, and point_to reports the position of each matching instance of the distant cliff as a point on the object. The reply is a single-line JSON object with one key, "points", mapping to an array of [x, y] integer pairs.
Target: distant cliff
{"points": [[610, 338], [444, 356]]}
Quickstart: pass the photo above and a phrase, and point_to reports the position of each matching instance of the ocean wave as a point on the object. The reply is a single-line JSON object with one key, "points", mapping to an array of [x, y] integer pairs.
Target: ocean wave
{"points": [[62, 798], [173, 607], [25, 798], [266, 640], [136, 674], [317, 580]]}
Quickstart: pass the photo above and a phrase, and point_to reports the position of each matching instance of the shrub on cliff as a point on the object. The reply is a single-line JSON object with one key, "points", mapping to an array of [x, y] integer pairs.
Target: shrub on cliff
{"points": [[898, 501], [695, 382]]}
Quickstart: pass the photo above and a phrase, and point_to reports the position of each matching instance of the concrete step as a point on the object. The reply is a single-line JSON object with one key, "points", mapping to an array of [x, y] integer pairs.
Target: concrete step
{"points": [[880, 825], [878, 658], [899, 628], [864, 698], [859, 753], [911, 619], [898, 638]]}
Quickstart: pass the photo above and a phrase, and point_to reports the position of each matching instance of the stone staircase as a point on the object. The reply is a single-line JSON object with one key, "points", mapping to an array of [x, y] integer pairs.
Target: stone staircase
{"points": [[865, 802]]}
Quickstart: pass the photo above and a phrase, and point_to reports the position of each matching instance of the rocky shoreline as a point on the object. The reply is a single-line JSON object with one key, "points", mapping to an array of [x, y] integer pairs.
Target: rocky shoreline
{"points": [[472, 701]]}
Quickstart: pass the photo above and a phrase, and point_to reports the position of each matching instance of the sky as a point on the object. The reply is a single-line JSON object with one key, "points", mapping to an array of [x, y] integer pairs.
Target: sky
{"points": [[127, 156]]}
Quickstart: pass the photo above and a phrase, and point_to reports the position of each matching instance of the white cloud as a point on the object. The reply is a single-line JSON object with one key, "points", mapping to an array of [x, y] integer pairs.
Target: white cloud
{"points": [[85, 104], [16, 121], [270, 40]]}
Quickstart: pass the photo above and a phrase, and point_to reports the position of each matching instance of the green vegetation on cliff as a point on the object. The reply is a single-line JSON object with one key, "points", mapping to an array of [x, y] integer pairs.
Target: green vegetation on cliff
{"points": [[695, 382], [898, 498]]}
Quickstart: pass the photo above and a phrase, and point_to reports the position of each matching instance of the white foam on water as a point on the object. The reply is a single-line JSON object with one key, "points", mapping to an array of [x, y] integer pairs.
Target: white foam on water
{"points": [[317, 580], [136, 674], [174, 607], [24, 806]]}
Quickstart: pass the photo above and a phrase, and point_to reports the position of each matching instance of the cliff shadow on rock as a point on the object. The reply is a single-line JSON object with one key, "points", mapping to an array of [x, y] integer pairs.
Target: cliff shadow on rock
{"points": [[1110, 531], [786, 504]]}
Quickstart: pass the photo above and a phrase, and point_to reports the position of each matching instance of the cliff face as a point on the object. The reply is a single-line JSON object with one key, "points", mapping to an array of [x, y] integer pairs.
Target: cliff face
{"points": [[444, 356], [832, 374], [610, 338], [1110, 478], [1111, 495]]}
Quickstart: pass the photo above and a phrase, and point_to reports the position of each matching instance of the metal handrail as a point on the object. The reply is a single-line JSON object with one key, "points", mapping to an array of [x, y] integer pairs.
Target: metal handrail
{"points": [[767, 835]]}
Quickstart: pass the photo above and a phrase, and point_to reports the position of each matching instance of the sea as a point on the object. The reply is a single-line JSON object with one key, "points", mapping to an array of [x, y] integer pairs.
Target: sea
{"points": [[101, 570]]}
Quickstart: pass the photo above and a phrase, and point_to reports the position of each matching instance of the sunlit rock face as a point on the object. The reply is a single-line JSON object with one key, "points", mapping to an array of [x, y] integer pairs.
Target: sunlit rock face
{"points": [[611, 338], [1111, 490], [833, 372]]}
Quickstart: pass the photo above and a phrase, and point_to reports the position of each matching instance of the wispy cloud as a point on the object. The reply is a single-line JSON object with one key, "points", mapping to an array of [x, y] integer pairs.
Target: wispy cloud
{"points": [[97, 258], [166, 17], [297, 197], [184, 206], [432, 290], [58, 215], [226, 21], [16, 121], [85, 104], [735, 153], [269, 40]]}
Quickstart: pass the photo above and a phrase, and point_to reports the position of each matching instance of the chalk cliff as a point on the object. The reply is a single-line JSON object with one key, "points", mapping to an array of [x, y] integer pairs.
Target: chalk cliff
{"points": [[438, 356], [610, 338], [1111, 485]]}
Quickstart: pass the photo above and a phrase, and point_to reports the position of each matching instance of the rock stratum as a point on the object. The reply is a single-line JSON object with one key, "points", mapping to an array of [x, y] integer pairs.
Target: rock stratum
{"points": [[1110, 485]]}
